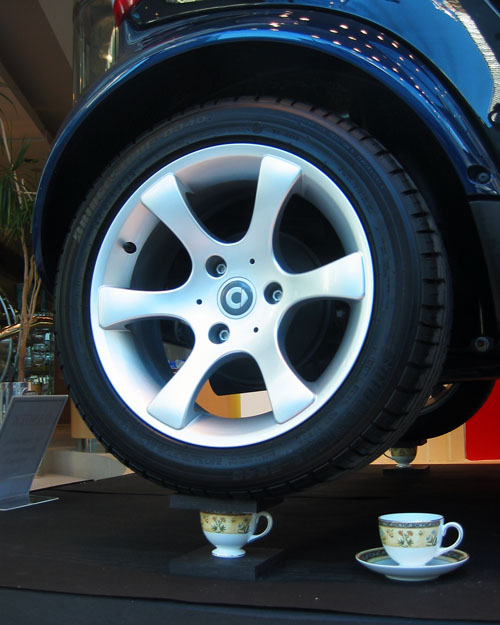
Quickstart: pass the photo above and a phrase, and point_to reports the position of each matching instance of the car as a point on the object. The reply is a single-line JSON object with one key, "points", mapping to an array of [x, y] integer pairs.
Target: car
{"points": [[296, 203]]}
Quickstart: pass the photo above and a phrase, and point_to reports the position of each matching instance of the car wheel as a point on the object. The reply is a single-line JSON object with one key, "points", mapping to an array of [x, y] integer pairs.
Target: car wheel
{"points": [[448, 407], [267, 247]]}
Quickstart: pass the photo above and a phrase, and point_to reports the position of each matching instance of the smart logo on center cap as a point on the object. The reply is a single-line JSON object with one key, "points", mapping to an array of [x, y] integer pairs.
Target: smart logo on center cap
{"points": [[236, 298]]}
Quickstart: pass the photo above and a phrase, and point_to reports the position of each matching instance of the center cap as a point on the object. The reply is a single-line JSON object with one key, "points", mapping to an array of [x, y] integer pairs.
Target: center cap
{"points": [[236, 297]]}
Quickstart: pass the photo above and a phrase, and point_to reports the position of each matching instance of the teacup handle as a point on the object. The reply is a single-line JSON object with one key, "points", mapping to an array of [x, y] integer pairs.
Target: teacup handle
{"points": [[268, 528], [460, 531]]}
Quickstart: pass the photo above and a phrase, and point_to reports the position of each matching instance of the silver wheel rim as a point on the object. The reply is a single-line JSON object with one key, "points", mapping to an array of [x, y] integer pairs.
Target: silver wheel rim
{"points": [[237, 299]]}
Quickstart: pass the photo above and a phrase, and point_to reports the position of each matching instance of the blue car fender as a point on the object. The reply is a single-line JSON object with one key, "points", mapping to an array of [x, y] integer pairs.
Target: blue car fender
{"points": [[382, 55]]}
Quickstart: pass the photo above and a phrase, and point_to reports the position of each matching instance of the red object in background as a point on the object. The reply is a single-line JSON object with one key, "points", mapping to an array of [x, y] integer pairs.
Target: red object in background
{"points": [[120, 7], [482, 431]]}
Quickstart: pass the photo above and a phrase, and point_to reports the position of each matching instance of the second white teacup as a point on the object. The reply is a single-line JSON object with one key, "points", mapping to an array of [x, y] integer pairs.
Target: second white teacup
{"points": [[230, 532], [414, 538]]}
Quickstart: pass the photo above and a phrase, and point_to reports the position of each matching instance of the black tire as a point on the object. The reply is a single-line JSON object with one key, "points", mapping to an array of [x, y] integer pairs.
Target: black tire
{"points": [[339, 291], [449, 406]]}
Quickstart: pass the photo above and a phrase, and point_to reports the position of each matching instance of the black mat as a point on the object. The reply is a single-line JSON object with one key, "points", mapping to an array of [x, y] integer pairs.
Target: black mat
{"points": [[116, 537]]}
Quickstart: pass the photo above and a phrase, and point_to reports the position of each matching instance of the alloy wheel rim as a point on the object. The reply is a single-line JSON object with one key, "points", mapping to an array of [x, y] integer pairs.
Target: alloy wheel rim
{"points": [[237, 297]]}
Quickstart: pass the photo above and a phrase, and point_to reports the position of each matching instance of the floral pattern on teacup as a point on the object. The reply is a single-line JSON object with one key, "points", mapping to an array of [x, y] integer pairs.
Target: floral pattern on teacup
{"points": [[398, 452], [431, 538], [409, 535], [225, 523]]}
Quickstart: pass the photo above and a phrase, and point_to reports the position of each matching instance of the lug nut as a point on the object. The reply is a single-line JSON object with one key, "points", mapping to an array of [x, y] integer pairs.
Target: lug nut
{"points": [[277, 295], [273, 293], [483, 177], [483, 344], [223, 335], [216, 266]]}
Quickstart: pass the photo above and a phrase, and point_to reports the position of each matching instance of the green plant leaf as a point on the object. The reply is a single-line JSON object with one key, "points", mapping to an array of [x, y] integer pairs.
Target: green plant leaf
{"points": [[21, 156]]}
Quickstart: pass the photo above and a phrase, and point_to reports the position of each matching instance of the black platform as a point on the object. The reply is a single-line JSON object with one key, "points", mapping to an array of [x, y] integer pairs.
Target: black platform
{"points": [[101, 554]]}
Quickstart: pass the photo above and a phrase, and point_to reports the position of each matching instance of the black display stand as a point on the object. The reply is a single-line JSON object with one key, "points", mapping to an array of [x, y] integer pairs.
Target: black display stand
{"points": [[201, 563], [413, 471], [223, 506]]}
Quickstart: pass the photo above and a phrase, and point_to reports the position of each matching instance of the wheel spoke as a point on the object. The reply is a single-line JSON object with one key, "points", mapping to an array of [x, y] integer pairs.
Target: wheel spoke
{"points": [[174, 404], [118, 307], [277, 180], [167, 200], [287, 392], [341, 279]]}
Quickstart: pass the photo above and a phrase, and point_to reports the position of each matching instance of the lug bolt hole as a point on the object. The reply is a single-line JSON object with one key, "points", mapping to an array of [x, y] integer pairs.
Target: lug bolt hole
{"points": [[216, 266], [219, 333], [273, 293], [130, 247], [479, 174]]}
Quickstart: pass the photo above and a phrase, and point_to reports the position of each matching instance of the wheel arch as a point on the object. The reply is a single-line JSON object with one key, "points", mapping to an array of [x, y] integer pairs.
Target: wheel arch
{"points": [[319, 63]]}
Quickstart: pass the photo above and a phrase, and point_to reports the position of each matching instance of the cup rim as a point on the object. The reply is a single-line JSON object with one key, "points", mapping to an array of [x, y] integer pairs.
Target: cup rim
{"points": [[215, 513], [410, 518]]}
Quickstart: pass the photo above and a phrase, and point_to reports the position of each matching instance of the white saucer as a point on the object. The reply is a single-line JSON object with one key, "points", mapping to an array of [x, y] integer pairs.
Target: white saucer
{"points": [[377, 560]]}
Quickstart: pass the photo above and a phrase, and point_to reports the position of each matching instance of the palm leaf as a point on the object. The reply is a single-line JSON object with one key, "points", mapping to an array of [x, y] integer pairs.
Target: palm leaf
{"points": [[21, 155], [16, 195]]}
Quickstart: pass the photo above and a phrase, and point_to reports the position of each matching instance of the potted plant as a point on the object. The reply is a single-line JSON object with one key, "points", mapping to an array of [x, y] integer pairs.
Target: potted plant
{"points": [[17, 196]]}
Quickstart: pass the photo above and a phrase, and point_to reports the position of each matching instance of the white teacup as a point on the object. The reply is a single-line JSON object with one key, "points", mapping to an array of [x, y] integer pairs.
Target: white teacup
{"points": [[414, 538], [403, 456], [230, 532]]}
